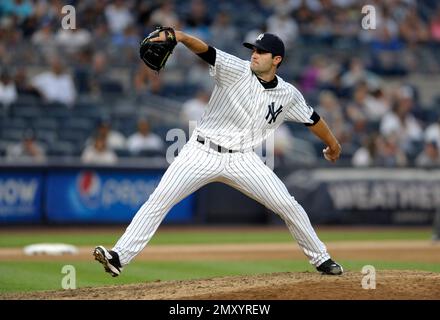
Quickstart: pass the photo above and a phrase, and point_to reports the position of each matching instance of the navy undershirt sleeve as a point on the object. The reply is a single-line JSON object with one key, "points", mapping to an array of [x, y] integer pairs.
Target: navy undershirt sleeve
{"points": [[315, 118], [209, 56]]}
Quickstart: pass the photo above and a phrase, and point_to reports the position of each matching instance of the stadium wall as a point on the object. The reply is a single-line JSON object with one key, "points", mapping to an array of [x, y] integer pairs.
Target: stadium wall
{"points": [[111, 195]]}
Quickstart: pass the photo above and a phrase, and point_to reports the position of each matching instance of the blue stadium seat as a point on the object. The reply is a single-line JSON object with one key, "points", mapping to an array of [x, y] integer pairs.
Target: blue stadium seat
{"points": [[12, 134], [79, 124], [150, 153], [45, 123], [27, 112], [61, 149], [73, 136], [122, 153], [47, 136]]}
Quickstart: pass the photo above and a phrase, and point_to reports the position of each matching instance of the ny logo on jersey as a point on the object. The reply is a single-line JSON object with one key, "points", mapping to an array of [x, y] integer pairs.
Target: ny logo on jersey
{"points": [[273, 113]]}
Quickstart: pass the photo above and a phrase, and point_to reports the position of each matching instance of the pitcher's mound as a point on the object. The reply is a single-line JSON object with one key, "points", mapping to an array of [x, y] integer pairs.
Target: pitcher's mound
{"points": [[390, 284]]}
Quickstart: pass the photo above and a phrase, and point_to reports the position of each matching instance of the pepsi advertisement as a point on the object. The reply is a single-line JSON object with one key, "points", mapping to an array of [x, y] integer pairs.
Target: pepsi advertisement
{"points": [[20, 197], [105, 197]]}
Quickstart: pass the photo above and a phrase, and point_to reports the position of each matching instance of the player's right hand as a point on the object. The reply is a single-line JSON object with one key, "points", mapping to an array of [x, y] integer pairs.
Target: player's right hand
{"points": [[332, 153]]}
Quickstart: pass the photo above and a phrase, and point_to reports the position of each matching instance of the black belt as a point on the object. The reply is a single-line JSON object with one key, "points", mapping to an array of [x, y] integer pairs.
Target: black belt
{"points": [[214, 146]]}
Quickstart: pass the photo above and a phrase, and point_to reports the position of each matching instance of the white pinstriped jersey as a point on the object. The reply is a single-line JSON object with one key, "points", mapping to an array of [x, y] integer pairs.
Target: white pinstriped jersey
{"points": [[241, 113]]}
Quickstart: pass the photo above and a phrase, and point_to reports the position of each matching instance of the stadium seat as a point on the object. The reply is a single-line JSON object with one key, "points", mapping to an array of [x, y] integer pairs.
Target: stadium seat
{"points": [[26, 112], [61, 149], [12, 134], [47, 136], [80, 124], [122, 153], [45, 123], [150, 153]]}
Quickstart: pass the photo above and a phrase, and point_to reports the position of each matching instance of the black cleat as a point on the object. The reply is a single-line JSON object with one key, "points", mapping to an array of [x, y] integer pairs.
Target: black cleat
{"points": [[330, 267], [109, 259]]}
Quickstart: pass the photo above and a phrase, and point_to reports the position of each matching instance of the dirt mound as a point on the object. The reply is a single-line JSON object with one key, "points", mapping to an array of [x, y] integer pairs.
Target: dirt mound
{"points": [[389, 285]]}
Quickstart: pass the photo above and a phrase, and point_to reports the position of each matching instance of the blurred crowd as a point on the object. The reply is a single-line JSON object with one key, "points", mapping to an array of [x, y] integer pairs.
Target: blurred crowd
{"points": [[342, 69]]}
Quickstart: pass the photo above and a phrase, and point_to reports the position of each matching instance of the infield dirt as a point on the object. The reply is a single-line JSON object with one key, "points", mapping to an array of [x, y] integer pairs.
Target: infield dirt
{"points": [[390, 284]]}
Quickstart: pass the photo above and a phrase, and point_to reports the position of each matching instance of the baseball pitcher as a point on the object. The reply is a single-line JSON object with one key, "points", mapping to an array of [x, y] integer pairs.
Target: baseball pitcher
{"points": [[248, 102]]}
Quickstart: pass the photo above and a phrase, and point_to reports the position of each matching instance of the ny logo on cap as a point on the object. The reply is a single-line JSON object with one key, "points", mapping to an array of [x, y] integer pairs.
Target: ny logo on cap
{"points": [[260, 36]]}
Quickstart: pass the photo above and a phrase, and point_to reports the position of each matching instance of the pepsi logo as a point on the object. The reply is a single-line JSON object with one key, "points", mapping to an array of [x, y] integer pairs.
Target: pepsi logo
{"points": [[88, 185]]}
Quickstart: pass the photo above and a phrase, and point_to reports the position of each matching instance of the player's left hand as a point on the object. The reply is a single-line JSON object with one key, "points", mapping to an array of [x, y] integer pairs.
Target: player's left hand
{"points": [[332, 153], [156, 48]]}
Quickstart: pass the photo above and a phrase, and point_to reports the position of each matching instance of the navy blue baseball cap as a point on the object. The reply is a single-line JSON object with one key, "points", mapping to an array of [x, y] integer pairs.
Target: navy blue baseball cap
{"points": [[268, 42]]}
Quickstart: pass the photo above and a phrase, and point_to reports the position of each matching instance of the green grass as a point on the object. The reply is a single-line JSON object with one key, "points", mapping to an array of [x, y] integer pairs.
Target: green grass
{"points": [[32, 276], [209, 237], [46, 275]]}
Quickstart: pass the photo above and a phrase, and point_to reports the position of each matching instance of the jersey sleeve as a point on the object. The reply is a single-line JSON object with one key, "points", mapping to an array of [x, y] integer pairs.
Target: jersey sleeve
{"points": [[228, 69], [299, 110]]}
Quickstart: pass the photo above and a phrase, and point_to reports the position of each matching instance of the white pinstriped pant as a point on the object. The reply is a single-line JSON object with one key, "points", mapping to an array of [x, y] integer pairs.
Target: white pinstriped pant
{"points": [[198, 165]]}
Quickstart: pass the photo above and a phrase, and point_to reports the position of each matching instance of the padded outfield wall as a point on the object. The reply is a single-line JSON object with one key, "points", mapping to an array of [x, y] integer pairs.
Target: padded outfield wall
{"points": [[75, 194]]}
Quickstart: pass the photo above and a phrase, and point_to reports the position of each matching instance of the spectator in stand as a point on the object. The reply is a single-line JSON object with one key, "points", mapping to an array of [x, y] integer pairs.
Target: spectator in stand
{"points": [[304, 16], [28, 150], [377, 104], [330, 109], [319, 73], [434, 27], [346, 26], [430, 156], [386, 51], [254, 33], [114, 139], [99, 153], [389, 154], [223, 32], [22, 84], [44, 39], [56, 85], [100, 73], [8, 91], [73, 40], [165, 15], [144, 139], [357, 74], [199, 75], [146, 80], [118, 16], [403, 124], [432, 133], [285, 149], [356, 110], [366, 155], [21, 9], [282, 24], [412, 29], [91, 14], [321, 30], [92, 73], [310, 78], [128, 39], [198, 21], [193, 109]]}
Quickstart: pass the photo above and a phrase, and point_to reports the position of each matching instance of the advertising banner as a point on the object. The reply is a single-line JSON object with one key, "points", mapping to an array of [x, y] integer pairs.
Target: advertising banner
{"points": [[104, 196], [20, 197], [371, 196]]}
